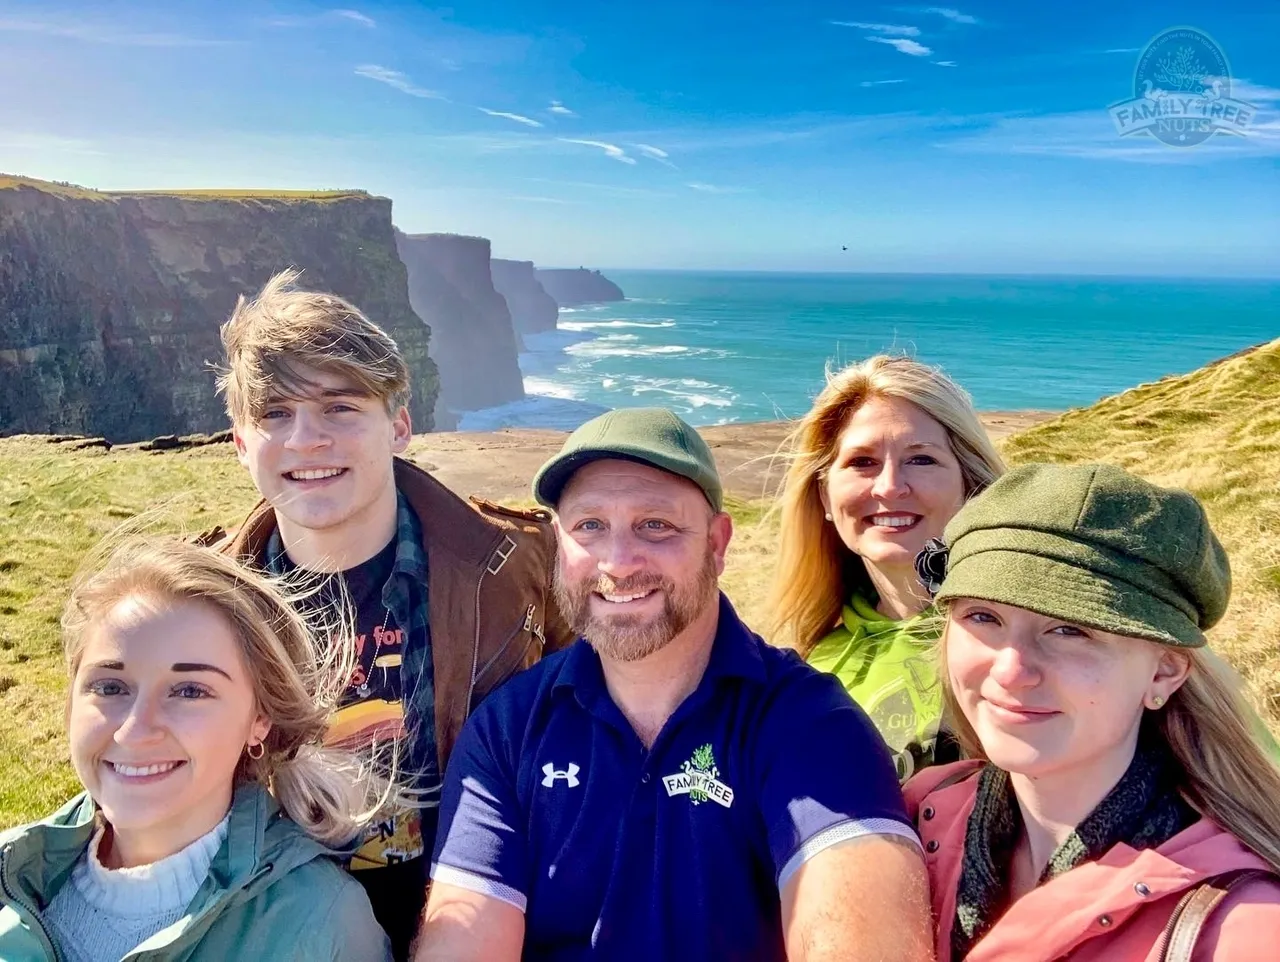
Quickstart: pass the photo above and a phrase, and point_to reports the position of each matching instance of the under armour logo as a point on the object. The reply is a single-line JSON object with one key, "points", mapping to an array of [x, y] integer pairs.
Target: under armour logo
{"points": [[550, 774]]}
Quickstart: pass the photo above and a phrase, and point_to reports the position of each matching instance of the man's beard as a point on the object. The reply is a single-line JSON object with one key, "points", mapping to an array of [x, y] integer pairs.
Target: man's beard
{"points": [[628, 637]]}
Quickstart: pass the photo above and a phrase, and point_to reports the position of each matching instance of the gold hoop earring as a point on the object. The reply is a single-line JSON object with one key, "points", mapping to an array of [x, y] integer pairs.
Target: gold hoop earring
{"points": [[262, 750], [1157, 701]]}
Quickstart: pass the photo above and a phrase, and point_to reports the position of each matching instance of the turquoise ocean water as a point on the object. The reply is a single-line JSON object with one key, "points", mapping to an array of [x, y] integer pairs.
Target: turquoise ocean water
{"points": [[723, 347]]}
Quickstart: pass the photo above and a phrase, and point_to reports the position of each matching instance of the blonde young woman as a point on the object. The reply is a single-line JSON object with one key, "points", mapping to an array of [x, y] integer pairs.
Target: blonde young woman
{"points": [[212, 819], [889, 452], [1117, 789]]}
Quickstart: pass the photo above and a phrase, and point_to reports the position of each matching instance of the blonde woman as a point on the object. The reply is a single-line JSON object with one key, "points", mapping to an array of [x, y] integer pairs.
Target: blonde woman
{"points": [[212, 819], [1118, 793], [889, 452]]}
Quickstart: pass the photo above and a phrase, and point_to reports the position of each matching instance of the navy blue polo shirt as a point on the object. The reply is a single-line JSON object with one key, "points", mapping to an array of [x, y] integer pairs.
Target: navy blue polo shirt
{"points": [[613, 851]]}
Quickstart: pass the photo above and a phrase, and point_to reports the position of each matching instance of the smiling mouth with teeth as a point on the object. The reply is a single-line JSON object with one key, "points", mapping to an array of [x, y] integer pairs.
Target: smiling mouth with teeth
{"points": [[142, 771], [893, 520], [315, 474], [623, 599]]}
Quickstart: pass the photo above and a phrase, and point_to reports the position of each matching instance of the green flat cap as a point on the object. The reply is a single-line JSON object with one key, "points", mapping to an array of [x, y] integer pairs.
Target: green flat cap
{"points": [[1093, 545], [653, 436]]}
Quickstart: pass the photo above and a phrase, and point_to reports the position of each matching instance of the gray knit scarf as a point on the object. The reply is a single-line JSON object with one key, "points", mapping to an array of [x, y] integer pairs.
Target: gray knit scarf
{"points": [[1144, 810]]}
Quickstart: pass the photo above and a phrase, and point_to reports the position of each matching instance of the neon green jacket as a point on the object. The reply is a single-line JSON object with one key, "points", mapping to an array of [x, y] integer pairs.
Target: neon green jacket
{"points": [[888, 667]]}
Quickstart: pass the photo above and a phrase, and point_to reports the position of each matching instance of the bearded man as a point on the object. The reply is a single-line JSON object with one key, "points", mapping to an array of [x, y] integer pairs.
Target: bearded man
{"points": [[668, 787]]}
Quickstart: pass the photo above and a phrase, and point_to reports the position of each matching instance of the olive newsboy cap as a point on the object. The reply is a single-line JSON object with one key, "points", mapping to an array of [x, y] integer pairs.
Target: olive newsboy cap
{"points": [[653, 436], [1093, 545]]}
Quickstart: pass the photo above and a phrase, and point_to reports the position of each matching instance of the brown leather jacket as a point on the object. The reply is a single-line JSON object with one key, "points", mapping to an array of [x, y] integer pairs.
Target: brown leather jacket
{"points": [[491, 609]]}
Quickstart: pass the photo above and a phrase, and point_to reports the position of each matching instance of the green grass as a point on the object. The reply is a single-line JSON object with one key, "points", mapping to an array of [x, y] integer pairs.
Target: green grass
{"points": [[12, 181], [1215, 432], [56, 503]]}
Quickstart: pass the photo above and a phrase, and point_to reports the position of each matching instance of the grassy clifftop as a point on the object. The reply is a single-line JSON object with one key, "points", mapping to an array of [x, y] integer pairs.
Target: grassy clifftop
{"points": [[12, 181], [1215, 431]]}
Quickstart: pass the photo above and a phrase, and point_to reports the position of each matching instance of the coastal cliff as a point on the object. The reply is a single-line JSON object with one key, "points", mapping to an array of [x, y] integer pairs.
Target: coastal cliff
{"points": [[473, 340], [110, 303], [580, 286], [532, 309]]}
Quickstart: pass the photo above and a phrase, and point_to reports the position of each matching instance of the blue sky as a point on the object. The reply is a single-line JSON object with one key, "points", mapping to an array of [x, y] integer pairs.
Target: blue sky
{"points": [[754, 136]]}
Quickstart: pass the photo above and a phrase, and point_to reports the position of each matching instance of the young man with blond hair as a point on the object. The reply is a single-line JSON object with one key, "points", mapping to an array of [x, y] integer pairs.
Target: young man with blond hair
{"points": [[449, 598]]}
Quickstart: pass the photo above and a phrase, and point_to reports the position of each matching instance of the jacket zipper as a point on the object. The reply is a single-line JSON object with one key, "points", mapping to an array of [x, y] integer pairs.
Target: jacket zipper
{"points": [[15, 899], [475, 648], [1162, 944], [497, 560], [526, 624]]}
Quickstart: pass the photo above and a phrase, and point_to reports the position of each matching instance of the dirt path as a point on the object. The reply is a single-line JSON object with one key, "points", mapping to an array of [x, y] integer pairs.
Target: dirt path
{"points": [[500, 464]]}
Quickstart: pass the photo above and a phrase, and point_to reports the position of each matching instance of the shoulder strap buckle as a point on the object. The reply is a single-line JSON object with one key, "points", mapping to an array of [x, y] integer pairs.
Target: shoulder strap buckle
{"points": [[500, 555]]}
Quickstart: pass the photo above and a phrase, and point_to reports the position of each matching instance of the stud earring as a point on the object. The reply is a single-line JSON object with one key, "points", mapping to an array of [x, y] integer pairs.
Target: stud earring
{"points": [[828, 516], [1157, 701]]}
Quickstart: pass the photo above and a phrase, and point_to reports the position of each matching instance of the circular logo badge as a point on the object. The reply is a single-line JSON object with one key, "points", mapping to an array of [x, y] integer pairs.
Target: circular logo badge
{"points": [[1181, 73]]}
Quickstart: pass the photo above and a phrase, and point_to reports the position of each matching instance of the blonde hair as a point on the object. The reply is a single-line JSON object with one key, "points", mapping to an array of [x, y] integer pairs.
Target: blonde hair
{"points": [[296, 678], [269, 338], [1226, 775], [816, 573]]}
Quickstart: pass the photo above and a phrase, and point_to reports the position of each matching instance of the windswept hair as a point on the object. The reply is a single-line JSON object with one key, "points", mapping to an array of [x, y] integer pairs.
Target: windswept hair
{"points": [[816, 573], [1208, 729], [270, 338], [296, 675]]}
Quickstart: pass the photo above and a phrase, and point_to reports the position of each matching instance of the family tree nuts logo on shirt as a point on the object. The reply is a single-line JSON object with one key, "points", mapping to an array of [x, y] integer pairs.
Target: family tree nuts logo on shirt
{"points": [[1182, 92], [699, 778]]}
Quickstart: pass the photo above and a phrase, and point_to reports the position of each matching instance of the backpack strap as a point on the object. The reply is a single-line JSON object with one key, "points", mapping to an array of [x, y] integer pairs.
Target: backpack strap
{"points": [[1194, 908]]}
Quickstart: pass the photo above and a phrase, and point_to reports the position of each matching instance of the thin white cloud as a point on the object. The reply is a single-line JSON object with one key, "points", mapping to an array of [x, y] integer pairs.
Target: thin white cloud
{"points": [[518, 118], [558, 108], [909, 47], [328, 16], [879, 83], [888, 29], [951, 14], [716, 189], [355, 16], [96, 33], [945, 63], [1123, 50], [1254, 93], [611, 150], [656, 153], [396, 79], [1088, 135]]}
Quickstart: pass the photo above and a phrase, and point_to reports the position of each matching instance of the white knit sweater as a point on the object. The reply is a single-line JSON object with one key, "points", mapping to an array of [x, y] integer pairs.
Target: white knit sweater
{"points": [[101, 914]]}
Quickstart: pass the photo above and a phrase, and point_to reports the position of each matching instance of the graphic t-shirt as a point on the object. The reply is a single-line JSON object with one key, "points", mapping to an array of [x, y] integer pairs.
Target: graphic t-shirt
{"points": [[372, 708], [888, 667]]}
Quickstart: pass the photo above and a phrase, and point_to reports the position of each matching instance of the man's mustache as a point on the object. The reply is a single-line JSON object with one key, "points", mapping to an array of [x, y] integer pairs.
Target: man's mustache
{"points": [[605, 585]]}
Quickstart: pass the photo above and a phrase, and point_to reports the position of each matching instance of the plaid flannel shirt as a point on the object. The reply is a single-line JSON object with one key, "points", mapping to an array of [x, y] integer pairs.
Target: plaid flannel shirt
{"points": [[405, 595]]}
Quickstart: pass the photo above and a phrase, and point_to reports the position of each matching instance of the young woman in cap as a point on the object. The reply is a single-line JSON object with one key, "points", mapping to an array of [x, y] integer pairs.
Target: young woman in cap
{"points": [[212, 819], [1116, 788], [889, 452]]}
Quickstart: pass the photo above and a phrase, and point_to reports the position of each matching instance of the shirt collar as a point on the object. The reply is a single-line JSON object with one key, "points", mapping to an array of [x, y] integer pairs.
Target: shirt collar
{"points": [[735, 653]]}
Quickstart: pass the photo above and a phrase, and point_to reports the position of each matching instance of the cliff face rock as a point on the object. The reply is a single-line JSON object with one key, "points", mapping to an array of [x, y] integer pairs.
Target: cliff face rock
{"points": [[581, 286], [110, 303], [473, 340], [533, 310]]}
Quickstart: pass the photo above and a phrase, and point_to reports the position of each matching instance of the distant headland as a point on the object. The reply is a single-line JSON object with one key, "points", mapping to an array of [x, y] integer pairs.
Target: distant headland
{"points": [[113, 301]]}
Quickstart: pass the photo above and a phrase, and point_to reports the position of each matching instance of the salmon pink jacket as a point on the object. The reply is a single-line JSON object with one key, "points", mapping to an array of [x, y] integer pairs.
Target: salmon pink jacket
{"points": [[1111, 910]]}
